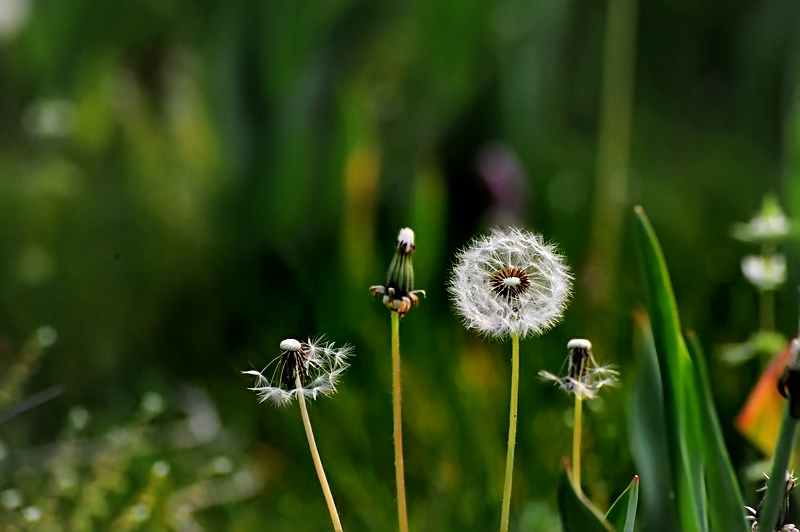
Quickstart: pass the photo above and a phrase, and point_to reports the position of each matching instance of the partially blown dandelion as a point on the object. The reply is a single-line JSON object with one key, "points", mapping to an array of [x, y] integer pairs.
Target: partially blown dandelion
{"points": [[510, 283], [584, 375], [583, 380], [304, 369], [318, 366]]}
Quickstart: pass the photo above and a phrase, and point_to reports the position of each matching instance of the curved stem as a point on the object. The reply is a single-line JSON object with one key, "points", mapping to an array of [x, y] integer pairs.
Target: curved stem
{"points": [[326, 490], [402, 512], [512, 433]]}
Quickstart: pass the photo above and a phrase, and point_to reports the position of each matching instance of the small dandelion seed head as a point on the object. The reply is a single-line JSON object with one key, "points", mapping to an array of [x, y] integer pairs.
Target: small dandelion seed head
{"points": [[317, 364], [510, 283], [584, 376]]}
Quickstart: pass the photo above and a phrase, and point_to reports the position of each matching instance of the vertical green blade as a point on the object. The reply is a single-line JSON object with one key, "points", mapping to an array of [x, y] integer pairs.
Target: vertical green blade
{"points": [[680, 402], [622, 514]]}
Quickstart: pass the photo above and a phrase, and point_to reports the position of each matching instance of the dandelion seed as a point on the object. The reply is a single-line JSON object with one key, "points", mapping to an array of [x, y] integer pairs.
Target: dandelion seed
{"points": [[510, 283], [317, 364]]}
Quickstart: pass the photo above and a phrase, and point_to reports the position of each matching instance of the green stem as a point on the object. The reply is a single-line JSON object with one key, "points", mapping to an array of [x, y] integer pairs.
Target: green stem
{"points": [[776, 485], [326, 490], [766, 303], [402, 512], [576, 444], [512, 433]]}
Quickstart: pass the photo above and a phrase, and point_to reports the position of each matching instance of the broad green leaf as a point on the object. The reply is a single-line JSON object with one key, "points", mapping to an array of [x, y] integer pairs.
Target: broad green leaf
{"points": [[622, 514], [680, 401], [725, 498], [576, 516]]}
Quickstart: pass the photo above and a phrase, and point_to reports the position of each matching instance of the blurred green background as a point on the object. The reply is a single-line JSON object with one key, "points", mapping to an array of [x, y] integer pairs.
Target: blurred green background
{"points": [[185, 184]]}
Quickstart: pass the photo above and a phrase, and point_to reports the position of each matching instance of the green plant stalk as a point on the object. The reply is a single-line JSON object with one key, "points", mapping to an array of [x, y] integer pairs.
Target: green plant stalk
{"points": [[766, 304], [399, 473], [512, 433], [577, 431], [326, 490], [776, 485]]}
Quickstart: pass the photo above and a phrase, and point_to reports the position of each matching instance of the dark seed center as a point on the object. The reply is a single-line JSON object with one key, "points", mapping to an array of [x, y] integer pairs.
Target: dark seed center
{"points": [[510, 283]]}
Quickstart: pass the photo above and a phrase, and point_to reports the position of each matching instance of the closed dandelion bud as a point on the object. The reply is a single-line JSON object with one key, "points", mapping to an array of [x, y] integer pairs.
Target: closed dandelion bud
{"points": [[399, 293]]}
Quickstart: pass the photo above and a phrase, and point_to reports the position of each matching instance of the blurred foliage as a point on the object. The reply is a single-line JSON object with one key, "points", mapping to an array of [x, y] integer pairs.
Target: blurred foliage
{"points": [[183, 185]]}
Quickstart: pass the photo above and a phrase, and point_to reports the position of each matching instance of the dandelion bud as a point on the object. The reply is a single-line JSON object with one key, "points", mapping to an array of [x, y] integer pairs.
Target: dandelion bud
{"points": [[399, 293]]}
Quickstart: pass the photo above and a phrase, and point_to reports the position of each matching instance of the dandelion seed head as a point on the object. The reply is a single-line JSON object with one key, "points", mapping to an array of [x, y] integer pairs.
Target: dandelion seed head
{"points": [[510, 282], [584, 376], [317, 364]]}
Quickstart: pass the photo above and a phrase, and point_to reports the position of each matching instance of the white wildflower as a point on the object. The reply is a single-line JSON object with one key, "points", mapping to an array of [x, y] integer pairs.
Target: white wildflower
{"points": [[769, 225], [510, 283], [317, 364], [765, 272], [584, 376]]}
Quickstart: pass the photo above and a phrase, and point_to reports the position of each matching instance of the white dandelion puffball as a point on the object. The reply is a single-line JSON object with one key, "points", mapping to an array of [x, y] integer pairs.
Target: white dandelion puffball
{"points": [[510, 283]]}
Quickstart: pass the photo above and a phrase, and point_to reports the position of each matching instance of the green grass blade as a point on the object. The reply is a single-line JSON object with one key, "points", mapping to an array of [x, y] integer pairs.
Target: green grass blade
{"points": [[726, 512], [680, 403], [622, 514], [648, 434]]}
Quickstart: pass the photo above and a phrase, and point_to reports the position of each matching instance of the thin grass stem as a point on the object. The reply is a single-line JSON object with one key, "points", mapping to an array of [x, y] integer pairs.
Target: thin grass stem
{"points": [[402, 512], [512, 433], [326, 490], [577, 432]]}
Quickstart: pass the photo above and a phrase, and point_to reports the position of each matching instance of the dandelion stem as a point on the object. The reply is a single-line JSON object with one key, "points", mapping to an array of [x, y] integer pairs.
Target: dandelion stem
{"points": [[326, 490], [577, 431], [402, 512], [512, 432]]}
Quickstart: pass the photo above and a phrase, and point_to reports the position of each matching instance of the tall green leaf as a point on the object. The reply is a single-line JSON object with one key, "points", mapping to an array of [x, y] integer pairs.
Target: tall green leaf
{"points": [[680, 402], [708, 497]]}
